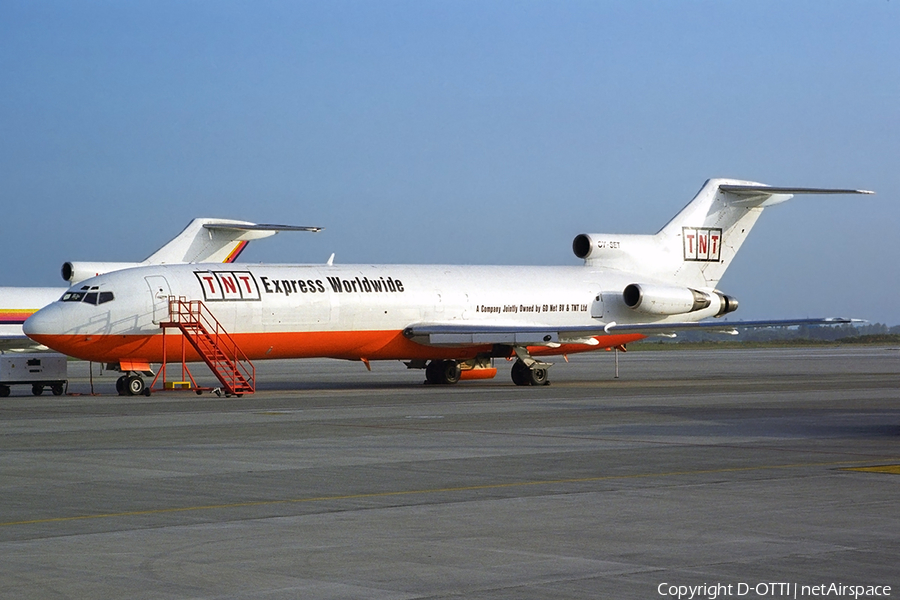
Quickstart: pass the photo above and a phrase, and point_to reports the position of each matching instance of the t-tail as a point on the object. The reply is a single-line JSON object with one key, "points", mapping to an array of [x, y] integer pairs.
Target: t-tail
{"points": [[695, 248], [203, 240]]}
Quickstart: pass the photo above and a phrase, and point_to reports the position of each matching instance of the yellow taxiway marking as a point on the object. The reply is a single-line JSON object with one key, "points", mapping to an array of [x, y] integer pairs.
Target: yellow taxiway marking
{"points": [[892, 469], [397, 493]]}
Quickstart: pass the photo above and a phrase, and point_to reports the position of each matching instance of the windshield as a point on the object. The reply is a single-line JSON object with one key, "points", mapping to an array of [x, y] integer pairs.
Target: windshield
{"points": [[91, 297]]}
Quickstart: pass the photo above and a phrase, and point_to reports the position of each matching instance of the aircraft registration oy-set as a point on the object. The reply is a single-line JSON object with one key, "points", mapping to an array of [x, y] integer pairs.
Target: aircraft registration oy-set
{"points": [[451, 321]]}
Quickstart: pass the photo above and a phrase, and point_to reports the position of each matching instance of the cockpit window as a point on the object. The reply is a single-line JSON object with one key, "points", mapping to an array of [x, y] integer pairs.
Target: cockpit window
{"points": [[89, 297]]}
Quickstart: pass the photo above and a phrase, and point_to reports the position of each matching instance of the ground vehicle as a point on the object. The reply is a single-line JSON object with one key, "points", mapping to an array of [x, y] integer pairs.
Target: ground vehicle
{"points": [[39, 370]]}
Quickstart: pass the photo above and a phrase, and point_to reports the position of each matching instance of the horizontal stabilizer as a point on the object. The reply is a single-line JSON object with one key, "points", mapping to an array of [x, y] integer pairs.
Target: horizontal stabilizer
{"points": [[259, 227], [766, 195], [755, 190]]}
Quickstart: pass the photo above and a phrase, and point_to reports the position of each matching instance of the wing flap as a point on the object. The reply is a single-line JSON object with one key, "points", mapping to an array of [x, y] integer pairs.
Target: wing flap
{"points": [[468, 335]]}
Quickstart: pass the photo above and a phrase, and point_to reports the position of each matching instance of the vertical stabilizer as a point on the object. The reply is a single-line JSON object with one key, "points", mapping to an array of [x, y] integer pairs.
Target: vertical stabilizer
{"points": [[708, 232]]}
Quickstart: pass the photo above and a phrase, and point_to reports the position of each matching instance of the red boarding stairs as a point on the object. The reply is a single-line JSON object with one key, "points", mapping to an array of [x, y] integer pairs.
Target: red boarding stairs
{"points": [[202, 330]]}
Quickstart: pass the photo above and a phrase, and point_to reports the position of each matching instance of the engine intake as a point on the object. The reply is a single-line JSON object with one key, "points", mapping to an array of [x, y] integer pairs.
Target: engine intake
{"points": [[73, 272], [582, 245]]}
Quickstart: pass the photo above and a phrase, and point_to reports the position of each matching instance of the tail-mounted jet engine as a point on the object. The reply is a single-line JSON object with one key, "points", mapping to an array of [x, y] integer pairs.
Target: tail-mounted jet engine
{"points": [[73, 272], [582, 245], [668, 300]]}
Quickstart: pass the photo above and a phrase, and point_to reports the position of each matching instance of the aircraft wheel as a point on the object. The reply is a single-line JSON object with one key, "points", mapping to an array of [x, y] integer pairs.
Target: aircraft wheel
{"points": [[4, 391], [120, 385], [57, 389], [37, 389], [442, 372], [538, 376], [433, 372], [520, 373], [134, 385], [450, 371]]}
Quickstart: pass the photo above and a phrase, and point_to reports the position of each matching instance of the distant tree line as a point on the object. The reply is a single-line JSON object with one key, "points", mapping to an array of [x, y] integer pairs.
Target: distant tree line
{"points": [[868, 332]]}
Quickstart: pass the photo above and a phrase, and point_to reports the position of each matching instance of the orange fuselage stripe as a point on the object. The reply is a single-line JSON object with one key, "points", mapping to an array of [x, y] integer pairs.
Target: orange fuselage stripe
{"points": [[352, 345]]}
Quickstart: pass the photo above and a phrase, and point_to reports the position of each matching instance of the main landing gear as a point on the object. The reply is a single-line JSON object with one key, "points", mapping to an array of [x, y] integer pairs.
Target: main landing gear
{"points": [[525, 371], [442, 372], [131, 385], [537, 374], [528, 371]]}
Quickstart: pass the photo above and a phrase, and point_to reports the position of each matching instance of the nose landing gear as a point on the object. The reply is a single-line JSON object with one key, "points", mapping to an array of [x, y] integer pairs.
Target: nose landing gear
{"points": [[131, 385]]}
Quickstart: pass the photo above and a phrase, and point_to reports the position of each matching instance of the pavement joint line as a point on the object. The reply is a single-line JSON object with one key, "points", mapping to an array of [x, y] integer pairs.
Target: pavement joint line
{"points": [[603, 438], [397, 493]]}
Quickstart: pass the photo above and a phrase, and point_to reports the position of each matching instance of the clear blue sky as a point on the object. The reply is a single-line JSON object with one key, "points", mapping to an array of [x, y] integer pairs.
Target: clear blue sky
{"points": [[455, 132]]}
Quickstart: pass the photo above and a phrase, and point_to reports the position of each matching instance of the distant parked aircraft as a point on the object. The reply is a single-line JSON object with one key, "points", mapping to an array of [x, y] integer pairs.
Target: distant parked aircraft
{"points": [[203, 240]]}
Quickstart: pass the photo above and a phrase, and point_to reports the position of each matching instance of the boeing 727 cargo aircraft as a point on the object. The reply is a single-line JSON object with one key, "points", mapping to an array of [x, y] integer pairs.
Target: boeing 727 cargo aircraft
{"points": [[449, 320]]}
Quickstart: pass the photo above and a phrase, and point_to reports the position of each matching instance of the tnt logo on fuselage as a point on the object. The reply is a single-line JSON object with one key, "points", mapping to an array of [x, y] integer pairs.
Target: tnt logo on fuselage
{"points": [[228, 285], [702, 243]]}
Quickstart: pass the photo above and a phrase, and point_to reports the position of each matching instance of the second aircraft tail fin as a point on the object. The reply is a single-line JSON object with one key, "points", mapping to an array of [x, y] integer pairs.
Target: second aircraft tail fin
{"points": [[203, 240], [215, 240]]}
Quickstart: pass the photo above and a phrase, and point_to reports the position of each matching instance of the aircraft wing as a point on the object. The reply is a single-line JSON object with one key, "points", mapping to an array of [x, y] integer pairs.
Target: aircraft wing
{"points": [[467, 334]]}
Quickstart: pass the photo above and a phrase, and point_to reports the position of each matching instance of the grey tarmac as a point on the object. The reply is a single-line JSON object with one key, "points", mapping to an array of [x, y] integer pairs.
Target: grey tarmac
{"points": [[694, 467]]}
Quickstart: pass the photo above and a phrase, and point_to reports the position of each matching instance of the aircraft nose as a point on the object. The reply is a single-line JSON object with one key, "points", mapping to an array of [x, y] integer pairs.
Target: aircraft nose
{"points": [[43, 324]]}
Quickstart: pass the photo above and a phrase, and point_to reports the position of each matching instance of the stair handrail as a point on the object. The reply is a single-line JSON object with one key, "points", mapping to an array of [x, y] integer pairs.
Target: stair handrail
{"points": [[187, 312]]}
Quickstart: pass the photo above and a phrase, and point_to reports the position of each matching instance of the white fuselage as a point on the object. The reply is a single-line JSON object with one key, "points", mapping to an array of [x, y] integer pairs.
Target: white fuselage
{"points": [[346, 311]]}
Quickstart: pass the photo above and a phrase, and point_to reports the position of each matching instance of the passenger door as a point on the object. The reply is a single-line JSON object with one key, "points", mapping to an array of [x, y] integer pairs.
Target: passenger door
{"points": [[160, 292]]}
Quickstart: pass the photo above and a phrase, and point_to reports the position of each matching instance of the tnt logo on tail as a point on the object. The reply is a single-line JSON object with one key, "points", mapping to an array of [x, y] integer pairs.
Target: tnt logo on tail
{"points": [[702, 243]]}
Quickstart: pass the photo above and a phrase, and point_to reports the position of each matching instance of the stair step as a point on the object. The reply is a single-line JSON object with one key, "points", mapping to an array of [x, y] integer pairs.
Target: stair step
{"points": [[216, 348]]}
